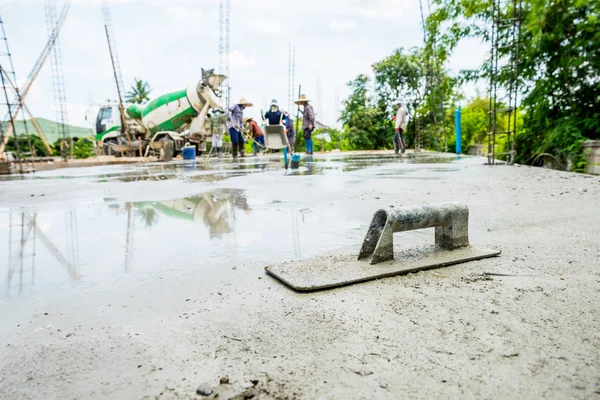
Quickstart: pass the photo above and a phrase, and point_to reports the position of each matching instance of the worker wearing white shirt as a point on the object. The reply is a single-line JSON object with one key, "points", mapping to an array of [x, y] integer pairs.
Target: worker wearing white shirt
{"points": [[400, 127]]}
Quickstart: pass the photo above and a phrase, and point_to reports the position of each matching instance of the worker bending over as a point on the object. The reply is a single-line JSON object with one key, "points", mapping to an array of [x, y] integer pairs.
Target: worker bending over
{"points": [[256, 133]]}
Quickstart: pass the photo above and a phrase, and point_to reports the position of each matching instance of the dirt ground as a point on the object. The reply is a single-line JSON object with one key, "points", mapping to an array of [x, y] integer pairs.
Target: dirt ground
{"points": [[194, 309]]}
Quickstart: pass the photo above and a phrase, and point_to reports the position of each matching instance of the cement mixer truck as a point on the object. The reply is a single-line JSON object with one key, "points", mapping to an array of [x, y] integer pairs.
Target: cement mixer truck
{"points": [[165, 123]]}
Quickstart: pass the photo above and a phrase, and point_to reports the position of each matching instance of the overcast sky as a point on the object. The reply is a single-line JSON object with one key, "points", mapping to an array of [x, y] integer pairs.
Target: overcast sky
{"points": [[167, 42]]}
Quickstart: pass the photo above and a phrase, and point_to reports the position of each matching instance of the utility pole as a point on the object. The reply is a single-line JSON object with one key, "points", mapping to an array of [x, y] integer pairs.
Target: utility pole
{"points": [[319, 100], [224, 49], [291, 75], [114, 58]]}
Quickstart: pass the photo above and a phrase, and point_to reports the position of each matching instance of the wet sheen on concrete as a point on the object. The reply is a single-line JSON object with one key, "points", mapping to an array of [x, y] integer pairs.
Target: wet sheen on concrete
{"points": [[109, 236], [148, 282]]}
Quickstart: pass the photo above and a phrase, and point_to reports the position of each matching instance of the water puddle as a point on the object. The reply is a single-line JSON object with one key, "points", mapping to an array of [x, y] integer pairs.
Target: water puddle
{"points": [[216, 169], [89, 239], [46, 250]]}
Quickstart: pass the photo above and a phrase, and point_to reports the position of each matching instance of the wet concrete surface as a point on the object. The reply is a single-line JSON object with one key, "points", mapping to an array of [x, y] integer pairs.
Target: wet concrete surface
{"points": [[147, 281], [104, 237]]}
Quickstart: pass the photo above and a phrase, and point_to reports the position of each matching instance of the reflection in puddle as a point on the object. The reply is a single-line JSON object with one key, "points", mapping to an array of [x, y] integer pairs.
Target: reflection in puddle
{"points": [[55, 248], [214, 210], [51, 249]]}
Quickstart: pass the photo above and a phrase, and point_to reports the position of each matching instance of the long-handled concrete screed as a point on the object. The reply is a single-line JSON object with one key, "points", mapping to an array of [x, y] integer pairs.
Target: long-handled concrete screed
{"points": [[376, 258]]}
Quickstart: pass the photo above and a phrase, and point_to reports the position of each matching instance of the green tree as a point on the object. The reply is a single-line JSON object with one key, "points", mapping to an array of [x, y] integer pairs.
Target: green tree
{"points": [[139, 92], [83, 148], [402, 74], [367, 124], [559, 66], [474, 122], [27, 145]]}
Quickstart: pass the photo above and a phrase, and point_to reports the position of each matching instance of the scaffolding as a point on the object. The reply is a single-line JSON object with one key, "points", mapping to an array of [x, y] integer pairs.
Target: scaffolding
{"points": [[20, 94], [58, 81], [504, 79], [11, 108]]}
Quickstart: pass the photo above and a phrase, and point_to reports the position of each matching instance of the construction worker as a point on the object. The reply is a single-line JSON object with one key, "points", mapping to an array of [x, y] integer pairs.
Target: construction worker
{"points": [[400, 127], [274, 116], [218, 128], [289, 130], [308, 122], [236, 120], [256, 133]]}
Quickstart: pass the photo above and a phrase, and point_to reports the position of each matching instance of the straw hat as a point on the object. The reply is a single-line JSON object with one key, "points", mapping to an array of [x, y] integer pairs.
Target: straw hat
{"points": [[302, 99], [246, 119], [245, 102]]}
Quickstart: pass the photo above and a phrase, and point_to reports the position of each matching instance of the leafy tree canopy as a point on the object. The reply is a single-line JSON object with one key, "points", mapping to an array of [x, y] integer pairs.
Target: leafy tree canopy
{"points": [[139, 92]]}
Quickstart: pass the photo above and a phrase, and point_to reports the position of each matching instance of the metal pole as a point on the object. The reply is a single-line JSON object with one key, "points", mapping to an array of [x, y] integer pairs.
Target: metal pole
{"points": [[121, 108], [298, 110], [458, 132], [11, 117]]}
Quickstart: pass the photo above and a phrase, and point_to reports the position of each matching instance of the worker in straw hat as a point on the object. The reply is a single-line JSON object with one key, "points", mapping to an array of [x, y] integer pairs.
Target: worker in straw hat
{"points": [[308, 121], [256, 133], [400, 126], [236, 121]]}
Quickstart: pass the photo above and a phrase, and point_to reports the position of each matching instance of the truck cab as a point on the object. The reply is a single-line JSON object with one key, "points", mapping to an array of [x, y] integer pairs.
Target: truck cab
{"points": [[108, 123]]}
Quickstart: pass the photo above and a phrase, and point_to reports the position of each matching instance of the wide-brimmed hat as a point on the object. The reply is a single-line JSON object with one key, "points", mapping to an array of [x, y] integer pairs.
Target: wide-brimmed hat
{"points": [[274, 103], [400, 100], [245, 102], [302, 99], [246, 119]]}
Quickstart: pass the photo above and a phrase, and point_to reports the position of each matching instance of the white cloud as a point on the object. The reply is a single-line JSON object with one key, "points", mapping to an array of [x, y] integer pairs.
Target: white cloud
{"points": [[380, 9], [271, 26], [342, 25], [34, 93], [237, 59]]}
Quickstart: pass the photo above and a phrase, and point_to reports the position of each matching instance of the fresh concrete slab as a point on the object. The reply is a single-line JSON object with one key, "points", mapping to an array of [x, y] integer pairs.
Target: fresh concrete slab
{"points": [[167, 292]]}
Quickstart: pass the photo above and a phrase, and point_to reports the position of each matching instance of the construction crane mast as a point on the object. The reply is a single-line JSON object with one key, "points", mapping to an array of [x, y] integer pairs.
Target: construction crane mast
{"points": [[58, 79], [112, 48]]}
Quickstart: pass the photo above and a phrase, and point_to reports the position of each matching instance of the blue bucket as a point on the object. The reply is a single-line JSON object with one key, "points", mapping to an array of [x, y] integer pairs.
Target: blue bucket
{"points": [[189, 153], [295, 161]]}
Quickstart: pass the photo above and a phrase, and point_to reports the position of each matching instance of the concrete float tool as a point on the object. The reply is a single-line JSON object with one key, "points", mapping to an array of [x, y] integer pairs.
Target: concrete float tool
{"points": [[376, 256]]}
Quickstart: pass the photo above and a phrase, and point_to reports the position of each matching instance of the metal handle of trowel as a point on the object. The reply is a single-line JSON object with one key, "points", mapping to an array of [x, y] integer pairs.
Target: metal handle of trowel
{"points": [[450, 220]]}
